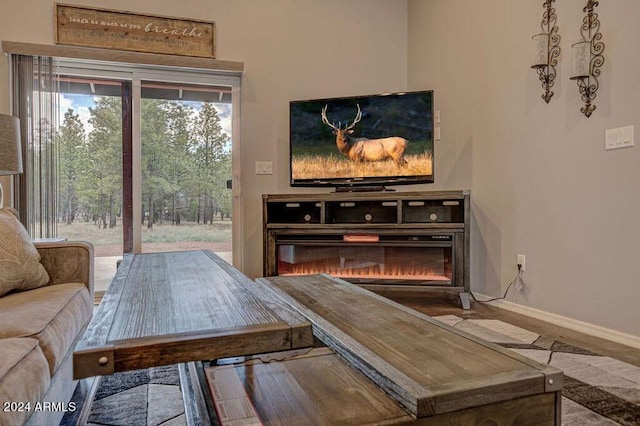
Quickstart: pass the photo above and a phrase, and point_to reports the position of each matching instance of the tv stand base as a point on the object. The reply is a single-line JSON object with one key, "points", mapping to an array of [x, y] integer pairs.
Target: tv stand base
{"points": [[381, 241], [362, 189], [464, 300]]}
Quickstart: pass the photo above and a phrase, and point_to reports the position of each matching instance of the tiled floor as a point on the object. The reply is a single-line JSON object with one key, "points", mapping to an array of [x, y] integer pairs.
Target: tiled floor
{"points": [[437, 304], [591, 379], [149, 397]]}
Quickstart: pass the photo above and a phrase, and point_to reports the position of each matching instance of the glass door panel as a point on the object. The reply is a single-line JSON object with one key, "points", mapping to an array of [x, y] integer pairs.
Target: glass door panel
{"points": [[185, 132], [90, 180]]}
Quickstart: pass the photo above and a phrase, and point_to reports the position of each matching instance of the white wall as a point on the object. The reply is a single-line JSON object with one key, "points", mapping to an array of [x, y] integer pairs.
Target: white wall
{"points": [[542, 183], [292, 49]]}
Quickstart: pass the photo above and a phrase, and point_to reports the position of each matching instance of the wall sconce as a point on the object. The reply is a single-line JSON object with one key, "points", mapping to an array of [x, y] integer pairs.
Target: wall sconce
{"points": [[587, 58], [547, 50]]}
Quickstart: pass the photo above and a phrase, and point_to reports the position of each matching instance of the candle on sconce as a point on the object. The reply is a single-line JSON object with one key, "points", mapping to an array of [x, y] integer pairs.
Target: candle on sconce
{"points": [[541, 50], [581, 59]]}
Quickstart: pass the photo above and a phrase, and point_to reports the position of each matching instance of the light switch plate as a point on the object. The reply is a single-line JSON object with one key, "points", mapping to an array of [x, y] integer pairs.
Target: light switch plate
{"points": [[264, 167], [436, 117], [436, 133], [620, 137]]}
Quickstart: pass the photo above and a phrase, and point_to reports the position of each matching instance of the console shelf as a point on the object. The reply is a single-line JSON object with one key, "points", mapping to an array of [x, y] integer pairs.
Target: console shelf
{"points": [[372, 230]]}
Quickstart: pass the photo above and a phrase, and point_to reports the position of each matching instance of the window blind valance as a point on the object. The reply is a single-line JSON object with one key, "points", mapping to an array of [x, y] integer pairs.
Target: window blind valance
{"points": [[86, 53]]}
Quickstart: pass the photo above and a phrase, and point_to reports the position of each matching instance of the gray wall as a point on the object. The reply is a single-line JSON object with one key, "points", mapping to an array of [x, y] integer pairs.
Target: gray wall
{"points": [[542, 183]]}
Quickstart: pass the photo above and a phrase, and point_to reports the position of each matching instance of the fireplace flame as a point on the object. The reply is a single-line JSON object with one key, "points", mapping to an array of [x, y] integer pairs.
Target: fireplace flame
{"points": [[367, 270]]}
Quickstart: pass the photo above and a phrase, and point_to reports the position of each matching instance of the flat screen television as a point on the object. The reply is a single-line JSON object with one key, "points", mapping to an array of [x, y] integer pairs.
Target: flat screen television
{"points": [[362, 141]]}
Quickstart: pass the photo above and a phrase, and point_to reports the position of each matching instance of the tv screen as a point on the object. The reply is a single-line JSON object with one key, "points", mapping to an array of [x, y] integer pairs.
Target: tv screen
{"points": [[373, 140]]}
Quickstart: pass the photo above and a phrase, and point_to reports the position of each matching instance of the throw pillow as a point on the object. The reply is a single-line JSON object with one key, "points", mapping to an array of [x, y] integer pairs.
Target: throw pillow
{"points": [[20, 267]]}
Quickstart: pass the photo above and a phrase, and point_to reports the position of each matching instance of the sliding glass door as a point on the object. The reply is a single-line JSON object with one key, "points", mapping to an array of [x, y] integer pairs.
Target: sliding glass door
{"points": [[146, 160]]}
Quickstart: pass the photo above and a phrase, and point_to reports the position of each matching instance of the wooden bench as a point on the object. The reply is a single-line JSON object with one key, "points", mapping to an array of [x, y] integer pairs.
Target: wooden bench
{"points": [[166, 308], [437, 373]]}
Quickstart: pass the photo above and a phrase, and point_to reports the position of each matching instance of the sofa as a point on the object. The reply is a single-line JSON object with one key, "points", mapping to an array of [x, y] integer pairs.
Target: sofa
{"points": [[41, 319]]}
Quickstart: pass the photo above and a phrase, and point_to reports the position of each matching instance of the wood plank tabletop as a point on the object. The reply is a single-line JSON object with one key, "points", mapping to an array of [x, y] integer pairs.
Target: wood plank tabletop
{"points": [[429, 367], [316, 388], [164, 308]]}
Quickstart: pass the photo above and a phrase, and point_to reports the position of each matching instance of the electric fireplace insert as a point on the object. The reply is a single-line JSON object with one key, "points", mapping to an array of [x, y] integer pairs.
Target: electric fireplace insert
{"points": [[369, 258]]}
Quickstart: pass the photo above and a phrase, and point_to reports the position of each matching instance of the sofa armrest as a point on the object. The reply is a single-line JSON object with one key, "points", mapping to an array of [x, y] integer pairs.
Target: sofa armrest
{"points": [[67, 262]]}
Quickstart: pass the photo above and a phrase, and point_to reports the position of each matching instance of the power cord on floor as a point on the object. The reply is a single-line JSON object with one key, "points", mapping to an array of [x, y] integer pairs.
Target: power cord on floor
{"points": [[517, 281]]}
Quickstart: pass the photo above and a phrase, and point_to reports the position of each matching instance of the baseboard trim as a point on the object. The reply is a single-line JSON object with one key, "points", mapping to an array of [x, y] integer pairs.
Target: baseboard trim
{"points": [[570, 323]]}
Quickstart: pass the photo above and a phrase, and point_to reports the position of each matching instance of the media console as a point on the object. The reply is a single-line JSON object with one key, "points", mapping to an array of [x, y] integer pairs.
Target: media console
{"points": [[386, 241]]}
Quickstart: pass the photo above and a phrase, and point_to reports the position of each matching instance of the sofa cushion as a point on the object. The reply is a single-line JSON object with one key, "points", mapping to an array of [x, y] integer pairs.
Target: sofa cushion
{"points": [[24, 378], [20, 267], [54, 315]]}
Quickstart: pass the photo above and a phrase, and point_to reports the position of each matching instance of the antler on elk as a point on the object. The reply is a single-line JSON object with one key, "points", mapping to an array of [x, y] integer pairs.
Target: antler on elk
{"points": [[363, 149], [356, 120]]}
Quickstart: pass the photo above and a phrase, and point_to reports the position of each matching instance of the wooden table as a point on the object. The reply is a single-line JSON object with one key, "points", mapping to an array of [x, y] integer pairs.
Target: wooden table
{"points": [[314, 387], [166, 308], [439, 374]]}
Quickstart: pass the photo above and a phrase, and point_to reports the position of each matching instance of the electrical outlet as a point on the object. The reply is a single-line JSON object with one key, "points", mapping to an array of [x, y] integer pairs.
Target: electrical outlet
{"points": [[521, 262]]}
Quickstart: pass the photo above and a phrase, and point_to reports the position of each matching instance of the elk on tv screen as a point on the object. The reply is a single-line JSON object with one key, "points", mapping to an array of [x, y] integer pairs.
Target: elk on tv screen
{"points": [[372, 140]]}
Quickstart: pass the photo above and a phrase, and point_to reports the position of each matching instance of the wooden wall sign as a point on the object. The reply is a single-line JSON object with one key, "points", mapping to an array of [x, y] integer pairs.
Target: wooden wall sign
{"points": [[111, 29]]}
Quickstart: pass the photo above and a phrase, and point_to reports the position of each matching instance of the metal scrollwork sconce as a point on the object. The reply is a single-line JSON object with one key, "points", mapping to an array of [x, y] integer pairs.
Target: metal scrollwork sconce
{"points": [[547, 50], [587, 58]]}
